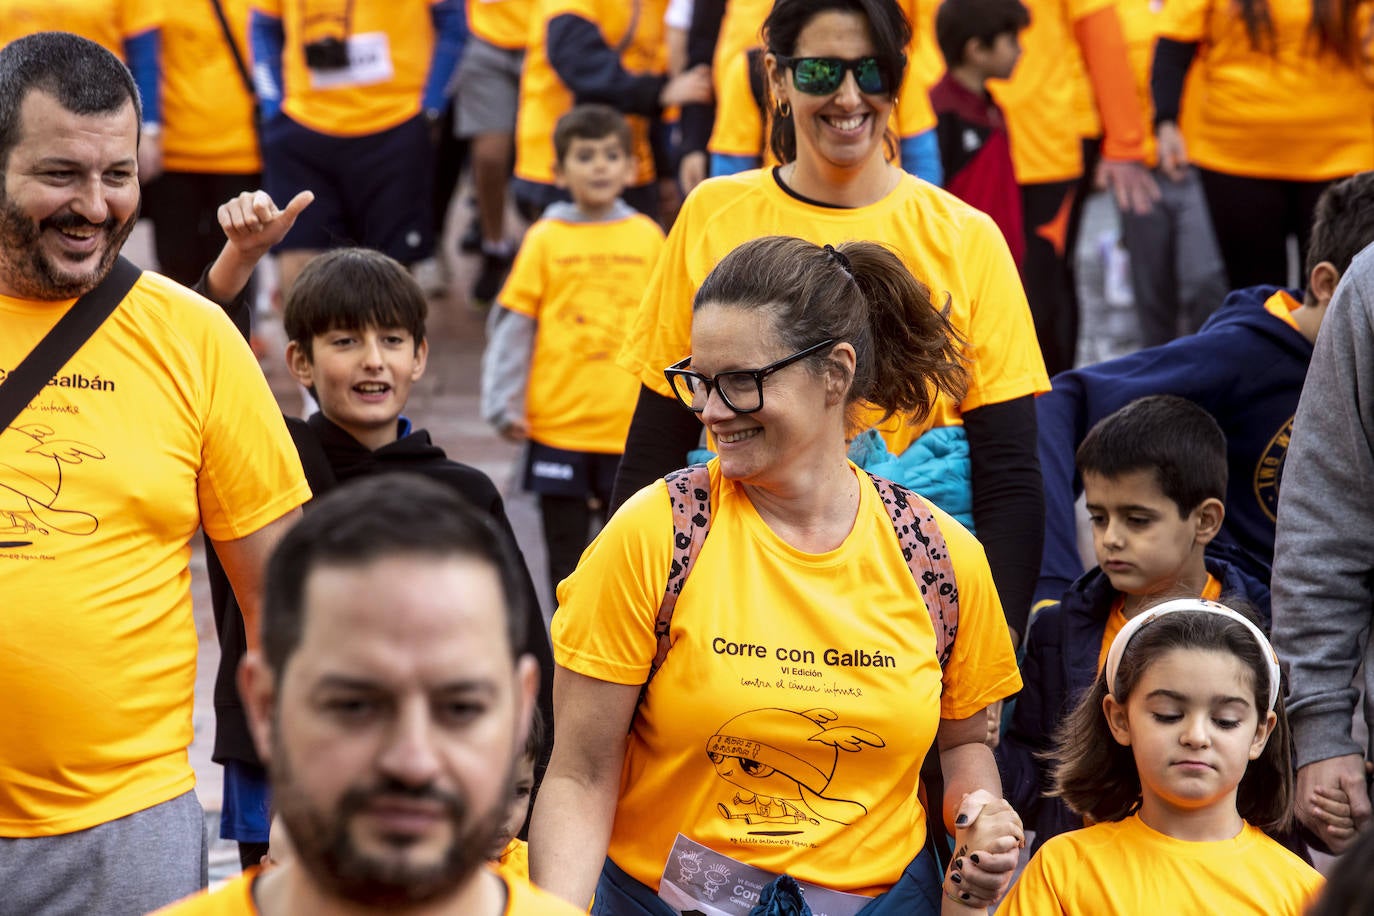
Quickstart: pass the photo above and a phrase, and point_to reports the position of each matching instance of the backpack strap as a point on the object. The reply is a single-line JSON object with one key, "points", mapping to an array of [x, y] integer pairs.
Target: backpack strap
{"points": [[689, 491], [927, 557]]}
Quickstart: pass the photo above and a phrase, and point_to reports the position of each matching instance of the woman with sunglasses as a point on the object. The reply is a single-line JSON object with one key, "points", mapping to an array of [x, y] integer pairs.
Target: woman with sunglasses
{"points": [[783, 731], [833, 68]]}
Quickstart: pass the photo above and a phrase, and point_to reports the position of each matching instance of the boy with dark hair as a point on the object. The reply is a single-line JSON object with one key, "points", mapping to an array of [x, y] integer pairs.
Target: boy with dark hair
{"points": [[978, 39], [549, 374], [1154, 473], [1246, 367], [355, 320]]}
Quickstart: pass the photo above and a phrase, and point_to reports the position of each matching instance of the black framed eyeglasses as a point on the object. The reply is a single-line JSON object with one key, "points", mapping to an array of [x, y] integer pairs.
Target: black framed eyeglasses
{"points": [[740, 389], [823, 75]]}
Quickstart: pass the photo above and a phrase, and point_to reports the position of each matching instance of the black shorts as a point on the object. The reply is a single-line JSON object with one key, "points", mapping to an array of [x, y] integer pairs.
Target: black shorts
{"points": [[553, 471], [372, 190], [184, 208]]}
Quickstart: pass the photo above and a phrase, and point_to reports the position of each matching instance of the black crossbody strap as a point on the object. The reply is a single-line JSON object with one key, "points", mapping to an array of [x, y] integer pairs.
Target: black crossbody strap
{"points": [[234, 50], [61, 343]]}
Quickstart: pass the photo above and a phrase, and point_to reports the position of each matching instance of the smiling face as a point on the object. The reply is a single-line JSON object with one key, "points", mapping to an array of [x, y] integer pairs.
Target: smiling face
{"points": [[362, 377], [844, 129], [1141, 542], [802, 418], [69, 198], [1193, 727], [394, 728]]}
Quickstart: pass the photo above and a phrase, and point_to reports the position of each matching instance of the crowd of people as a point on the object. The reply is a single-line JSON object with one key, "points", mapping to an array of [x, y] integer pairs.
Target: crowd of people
{"points": [[796, 273]]}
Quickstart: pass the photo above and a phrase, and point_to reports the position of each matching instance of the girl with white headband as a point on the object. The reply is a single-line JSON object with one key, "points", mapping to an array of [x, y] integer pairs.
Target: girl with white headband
{"points": [[1180, 758]]}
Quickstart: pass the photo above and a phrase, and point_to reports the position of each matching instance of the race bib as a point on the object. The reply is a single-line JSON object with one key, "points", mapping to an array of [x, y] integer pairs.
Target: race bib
{"points": [[700, 880], [369, 63]]}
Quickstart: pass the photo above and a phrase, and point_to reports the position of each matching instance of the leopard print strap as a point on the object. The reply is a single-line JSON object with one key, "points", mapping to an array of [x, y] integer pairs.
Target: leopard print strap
{"points": [[927, 556], [689, 491]]}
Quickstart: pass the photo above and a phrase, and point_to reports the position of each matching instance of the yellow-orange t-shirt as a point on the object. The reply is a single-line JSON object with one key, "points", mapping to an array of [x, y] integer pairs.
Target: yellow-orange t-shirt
{"points": [[957, 251], [514, 861], [1292, 114], [1039, 99], [207, 112], [787, 724], [1116, 620], [236, 899], [544, 98], [160, 424], [581, 281], [106, 22], [504, 23], [1281, 306], [398, 36], [1127, 869]]}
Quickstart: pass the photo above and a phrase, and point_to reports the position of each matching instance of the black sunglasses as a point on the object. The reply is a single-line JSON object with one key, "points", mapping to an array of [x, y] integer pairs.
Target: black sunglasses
{"points": [[823, 75], [740, 389]]}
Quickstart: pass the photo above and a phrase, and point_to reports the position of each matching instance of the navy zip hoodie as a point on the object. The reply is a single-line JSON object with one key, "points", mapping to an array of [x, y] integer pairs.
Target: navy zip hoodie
{"points": [[1060, 665], [1244, 366]]}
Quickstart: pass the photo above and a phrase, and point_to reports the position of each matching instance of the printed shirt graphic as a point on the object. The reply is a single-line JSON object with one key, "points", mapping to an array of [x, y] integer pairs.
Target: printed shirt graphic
{"points": [[1126, 868], [399, 32], [787, 726], [106, 22], [1292, 115], [582, 283], [957, 251], [544, 98], [160, 423], [206, 109]]}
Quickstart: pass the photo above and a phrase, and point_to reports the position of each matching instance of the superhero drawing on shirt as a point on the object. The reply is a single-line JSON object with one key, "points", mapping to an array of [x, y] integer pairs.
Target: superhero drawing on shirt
{"points": [[32, 464], [783, 763]]}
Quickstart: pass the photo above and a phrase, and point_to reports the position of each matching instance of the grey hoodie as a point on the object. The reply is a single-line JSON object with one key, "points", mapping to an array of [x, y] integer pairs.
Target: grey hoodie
{"points": [[1323, 584]]}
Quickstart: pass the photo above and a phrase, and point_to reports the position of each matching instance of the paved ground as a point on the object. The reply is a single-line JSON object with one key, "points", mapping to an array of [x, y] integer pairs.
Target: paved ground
{"points": [[445, 402]]}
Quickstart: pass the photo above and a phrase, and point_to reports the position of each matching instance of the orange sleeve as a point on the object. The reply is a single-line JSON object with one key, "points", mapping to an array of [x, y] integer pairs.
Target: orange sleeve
{"points": [[1108, 62]]}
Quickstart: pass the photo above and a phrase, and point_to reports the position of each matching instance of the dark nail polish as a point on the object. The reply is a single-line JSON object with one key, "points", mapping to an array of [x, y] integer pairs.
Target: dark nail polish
{"points": [[963, 895], [961, 820], [974, 858], [957, 879]]}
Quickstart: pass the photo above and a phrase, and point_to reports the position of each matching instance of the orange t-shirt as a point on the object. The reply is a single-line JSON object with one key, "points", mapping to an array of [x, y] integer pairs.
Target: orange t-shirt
{"points": [[207, 112], [1117, 619], [106, 22], [503, 23], [1292, 115]]}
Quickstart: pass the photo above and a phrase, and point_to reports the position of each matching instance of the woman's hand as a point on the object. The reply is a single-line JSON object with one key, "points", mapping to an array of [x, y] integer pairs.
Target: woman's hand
{"points": [[988, 838], [1173, 152]]}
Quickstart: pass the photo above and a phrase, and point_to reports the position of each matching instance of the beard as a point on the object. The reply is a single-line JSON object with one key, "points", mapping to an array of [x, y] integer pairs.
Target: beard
{"points": [[322, 842], [34, 275]]}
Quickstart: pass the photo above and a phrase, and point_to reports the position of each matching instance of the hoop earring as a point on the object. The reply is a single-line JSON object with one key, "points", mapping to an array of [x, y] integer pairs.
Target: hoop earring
{"points": [[784, 109]]}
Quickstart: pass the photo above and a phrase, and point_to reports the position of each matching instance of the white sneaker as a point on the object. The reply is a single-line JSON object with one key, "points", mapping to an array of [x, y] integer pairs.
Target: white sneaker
{"points": [[432, 275]]}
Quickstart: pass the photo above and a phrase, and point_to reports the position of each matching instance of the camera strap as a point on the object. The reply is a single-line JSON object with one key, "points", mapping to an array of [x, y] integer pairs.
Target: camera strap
{"points": [[58, 346], [239, 62]]}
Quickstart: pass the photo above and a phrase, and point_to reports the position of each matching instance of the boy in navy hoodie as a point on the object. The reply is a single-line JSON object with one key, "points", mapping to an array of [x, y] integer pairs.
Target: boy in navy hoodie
{"points": [[1245, 366], [355, 321], [1154, 474]]}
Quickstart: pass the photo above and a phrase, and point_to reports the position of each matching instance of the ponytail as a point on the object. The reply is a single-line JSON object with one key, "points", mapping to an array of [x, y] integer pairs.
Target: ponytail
{"points": [[906, 351]]}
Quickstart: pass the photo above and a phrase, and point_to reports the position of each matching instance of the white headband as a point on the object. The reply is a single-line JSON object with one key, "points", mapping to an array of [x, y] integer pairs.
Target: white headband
{"points": [[1191, 604]]}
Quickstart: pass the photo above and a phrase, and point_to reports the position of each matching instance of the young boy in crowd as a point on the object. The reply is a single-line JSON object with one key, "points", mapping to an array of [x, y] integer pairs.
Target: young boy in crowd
{"points": [[549, 374], [978, 39], [355, 321], [1245, 367], [1154, 474], [509, 854]]}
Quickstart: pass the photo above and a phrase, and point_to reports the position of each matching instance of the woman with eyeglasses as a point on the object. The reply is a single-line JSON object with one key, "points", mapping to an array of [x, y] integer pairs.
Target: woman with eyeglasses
{"points": [[778, 725], [833, 70]]}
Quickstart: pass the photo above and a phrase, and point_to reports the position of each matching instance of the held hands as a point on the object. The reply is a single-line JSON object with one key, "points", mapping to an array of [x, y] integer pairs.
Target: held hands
{"points": [[988, 838], [1333, 799]]}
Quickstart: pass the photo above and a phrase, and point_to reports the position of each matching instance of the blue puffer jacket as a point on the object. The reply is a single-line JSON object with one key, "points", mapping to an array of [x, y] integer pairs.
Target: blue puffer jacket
{"points": [[1060, 664], [936, 466]]}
